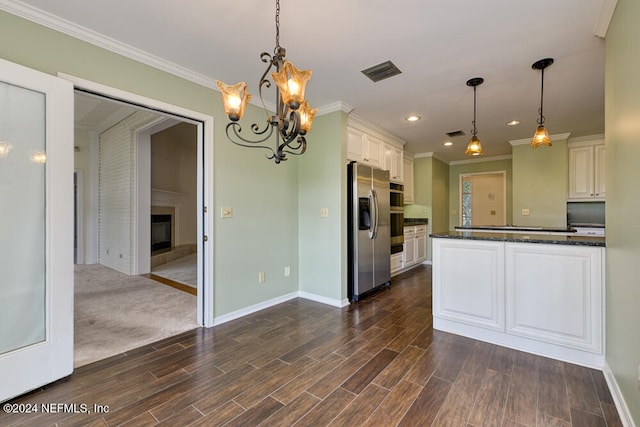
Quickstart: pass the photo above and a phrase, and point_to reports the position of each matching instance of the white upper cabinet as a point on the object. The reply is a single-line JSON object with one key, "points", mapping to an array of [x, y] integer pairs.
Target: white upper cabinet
{"points": [[587, 170], [408, 180], [393, 162], [364, 148]]}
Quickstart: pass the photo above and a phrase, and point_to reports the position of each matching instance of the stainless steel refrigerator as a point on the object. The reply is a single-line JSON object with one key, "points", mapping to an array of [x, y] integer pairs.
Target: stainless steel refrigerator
{"points": [[369, 230]]}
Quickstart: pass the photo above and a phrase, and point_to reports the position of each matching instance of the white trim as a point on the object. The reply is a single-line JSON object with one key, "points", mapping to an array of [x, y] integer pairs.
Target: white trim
{"points": [[504, 190], [553, 351], [324, 300], [586, 140], [371, 128], [423, 155], [79, 215], [90, 36], [336, 106], [253, 308], [604, 18], [205, 198], [481, 160], [618, 398], [558, 137]]}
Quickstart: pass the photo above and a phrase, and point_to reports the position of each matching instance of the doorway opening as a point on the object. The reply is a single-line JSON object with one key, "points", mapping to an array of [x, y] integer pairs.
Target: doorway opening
{"points": [[117, 143], [483, 199]]}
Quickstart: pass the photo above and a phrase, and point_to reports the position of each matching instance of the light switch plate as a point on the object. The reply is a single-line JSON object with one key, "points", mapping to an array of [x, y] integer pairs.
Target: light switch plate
{"points": [[226, 212]]}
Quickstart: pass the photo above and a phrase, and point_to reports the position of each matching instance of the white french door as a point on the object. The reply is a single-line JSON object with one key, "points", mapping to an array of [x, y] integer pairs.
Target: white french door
{"points": [[36, 229]]}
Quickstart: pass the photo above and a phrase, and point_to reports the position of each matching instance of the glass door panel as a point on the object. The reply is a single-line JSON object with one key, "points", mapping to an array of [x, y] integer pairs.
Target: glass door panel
{"points": [[36, 229], [22, 217]]}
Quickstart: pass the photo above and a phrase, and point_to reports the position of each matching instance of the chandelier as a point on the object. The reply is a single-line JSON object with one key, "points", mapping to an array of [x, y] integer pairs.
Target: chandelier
{"points": [[541, 136], [293, 115], [474, 148]]}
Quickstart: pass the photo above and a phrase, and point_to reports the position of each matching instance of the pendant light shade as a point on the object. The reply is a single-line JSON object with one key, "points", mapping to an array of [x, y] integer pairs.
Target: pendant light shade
{"points": [[474, 148], [541, 137]]}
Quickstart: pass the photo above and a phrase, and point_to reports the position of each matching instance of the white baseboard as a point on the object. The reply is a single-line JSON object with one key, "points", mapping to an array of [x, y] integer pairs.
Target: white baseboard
{"points": [[618, 399], [253, 308], [324, 300]]}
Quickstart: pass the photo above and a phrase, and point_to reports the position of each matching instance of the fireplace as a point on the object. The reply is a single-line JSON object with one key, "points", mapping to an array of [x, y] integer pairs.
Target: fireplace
{"points": [[160, 233]]}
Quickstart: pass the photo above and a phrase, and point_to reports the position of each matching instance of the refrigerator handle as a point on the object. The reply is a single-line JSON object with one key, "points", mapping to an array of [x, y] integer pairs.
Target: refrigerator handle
{"points": [[373, 232]]}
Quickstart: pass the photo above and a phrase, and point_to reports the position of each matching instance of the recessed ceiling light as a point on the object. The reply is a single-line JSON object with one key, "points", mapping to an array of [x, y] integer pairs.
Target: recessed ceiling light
{"points": [[412, 118], [448, 144], [513, 123]]}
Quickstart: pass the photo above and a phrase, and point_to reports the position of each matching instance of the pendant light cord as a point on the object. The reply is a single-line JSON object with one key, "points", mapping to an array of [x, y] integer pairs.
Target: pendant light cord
{"points": [[474, 132], [541, 119]]}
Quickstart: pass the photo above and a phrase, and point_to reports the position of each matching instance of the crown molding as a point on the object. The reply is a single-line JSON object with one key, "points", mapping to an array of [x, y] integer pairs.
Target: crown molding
{"points": [[367, 126], [558, 137], [604, 18], [336, 106], [481, 160], [587, 138], [93, 37], [423, 155]]}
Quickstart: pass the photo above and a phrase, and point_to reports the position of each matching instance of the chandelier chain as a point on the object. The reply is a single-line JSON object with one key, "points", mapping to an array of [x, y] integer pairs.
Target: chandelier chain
{"points": [[277, 25]]}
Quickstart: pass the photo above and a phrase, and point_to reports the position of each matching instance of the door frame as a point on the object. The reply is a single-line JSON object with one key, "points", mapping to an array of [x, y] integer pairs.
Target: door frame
{"points": [[205, 124], [504, 190]]}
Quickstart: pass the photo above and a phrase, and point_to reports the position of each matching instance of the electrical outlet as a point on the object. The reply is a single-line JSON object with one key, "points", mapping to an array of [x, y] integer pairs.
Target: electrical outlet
{"points": [[525, 212], [261, 277], [324, 213], [287, 271]]}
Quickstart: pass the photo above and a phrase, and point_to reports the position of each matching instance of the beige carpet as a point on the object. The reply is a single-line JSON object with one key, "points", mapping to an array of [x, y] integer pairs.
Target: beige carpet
{"points": [[115, 312], [183, 270]]}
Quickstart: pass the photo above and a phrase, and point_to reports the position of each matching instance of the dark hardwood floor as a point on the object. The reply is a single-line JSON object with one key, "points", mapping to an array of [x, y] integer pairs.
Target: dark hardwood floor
{"points": [[375, 363]]}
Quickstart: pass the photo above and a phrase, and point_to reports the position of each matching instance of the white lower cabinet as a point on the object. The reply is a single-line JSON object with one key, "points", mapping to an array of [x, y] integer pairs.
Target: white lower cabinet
{"points": [[554, 294], [541, 298], [468, 282], [414, 249]]}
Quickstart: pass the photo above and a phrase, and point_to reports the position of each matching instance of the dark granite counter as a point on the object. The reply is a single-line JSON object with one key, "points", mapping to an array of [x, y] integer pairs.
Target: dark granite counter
{"points": [[416, 221], [520, 237], [517, 228]]}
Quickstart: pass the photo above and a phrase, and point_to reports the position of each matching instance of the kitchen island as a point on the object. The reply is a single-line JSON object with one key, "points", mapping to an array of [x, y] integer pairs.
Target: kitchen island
{"points": [[540, 293]]}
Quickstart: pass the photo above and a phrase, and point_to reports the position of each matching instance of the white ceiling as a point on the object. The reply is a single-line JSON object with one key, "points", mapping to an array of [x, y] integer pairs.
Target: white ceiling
{"points": [[438, 46]]}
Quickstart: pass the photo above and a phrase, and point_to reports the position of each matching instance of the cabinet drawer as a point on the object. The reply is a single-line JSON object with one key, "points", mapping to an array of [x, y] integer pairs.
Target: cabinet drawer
{"points": [[396, 261], [421, 229], [409, 232]]}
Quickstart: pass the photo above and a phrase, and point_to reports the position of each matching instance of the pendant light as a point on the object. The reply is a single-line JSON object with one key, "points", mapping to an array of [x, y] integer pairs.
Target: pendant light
{"points": [[474, 148], [541, 137]]}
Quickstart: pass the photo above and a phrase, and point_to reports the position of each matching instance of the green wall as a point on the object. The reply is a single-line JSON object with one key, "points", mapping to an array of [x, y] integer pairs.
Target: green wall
{"points": [[456, 170], [431, 195], [622, 120], [540, 179], [263, 233], [323, 241]]}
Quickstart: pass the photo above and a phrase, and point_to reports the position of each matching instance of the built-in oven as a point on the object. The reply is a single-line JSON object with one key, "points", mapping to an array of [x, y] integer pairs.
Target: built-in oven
{"points": [[396, 210]]}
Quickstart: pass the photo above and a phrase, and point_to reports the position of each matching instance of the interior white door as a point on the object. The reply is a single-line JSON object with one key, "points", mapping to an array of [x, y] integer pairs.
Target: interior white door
{"points": [[36, 225]]}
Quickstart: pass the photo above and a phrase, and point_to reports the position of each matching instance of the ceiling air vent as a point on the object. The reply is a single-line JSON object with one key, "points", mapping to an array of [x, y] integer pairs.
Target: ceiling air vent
{"points": [[382, 71], [455, 133]]}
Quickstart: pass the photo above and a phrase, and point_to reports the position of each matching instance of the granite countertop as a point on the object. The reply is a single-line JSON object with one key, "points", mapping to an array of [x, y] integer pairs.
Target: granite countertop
{"points": [[520, 228], [553, 239], [416, 221]]}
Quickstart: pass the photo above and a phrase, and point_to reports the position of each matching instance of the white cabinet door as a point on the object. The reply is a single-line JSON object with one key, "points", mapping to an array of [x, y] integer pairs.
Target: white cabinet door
{"points": [[554, 294], [587, 172], [581, 172], [393, 162], [374, 151], [421, 247], [36, 225], [408, 180], [355, 145], [599, 177], [409, 253], [468, 282]]}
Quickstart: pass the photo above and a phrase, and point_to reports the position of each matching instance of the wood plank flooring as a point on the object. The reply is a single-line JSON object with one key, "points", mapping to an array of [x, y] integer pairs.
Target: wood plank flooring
{"points": [[375, 363]]}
